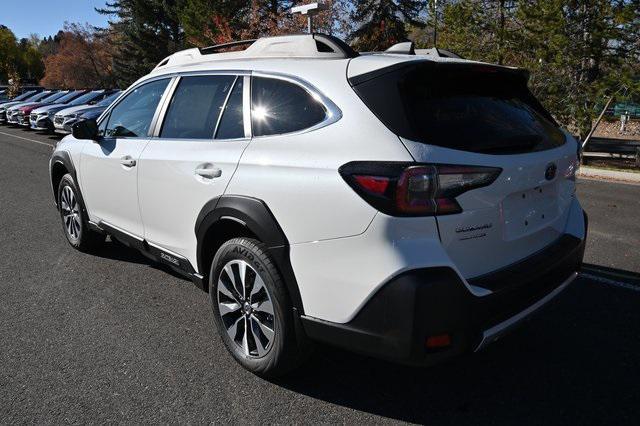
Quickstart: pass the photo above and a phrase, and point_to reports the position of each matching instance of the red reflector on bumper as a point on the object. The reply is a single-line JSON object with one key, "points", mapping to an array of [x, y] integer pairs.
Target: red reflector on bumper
{"points": [[439, 341]]}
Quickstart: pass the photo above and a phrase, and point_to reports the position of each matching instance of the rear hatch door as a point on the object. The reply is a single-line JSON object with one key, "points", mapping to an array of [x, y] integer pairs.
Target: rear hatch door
{"points": [[479, 115]]}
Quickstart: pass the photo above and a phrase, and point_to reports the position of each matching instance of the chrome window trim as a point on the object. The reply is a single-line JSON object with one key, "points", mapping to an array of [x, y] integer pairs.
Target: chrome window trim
{"points": [[169, 95], [210, 72], [333, 113], [196, 140]]}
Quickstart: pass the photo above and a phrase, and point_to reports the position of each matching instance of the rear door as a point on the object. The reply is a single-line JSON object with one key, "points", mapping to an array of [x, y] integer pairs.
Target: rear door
{"points": [[191, 158], [483, 116]]}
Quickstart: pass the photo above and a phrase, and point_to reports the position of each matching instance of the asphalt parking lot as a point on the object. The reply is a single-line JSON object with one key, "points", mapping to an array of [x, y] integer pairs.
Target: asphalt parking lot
{"points": [[114, 338]]}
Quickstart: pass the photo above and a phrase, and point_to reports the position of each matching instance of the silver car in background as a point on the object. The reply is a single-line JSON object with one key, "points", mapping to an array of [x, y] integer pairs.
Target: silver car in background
{"points": [[67, 117]]}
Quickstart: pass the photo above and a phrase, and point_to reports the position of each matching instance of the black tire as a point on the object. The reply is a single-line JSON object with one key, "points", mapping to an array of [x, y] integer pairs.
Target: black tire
{"points": [[81, 237], [286, 350]]}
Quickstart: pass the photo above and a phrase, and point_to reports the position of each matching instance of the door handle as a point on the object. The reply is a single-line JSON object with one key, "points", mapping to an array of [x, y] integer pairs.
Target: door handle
{"points": [[127, 161], [209, 173]]}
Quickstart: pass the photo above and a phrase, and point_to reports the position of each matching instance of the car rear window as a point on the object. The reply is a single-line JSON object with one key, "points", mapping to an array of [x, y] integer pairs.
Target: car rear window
{"points": [[472, 108], [278, 107]]}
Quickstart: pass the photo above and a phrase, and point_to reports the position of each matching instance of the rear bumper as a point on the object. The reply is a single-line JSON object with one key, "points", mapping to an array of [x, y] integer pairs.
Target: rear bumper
{"points": [[494, 333], [395, 323]]}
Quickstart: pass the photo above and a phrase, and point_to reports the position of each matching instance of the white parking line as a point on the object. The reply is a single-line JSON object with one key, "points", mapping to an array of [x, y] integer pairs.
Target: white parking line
{"points": [[610, 281], [27, 139]]}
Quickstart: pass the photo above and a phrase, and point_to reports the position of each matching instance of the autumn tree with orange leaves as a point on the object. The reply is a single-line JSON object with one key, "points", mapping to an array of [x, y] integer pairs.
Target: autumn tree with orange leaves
{"points": [[83, 59]]}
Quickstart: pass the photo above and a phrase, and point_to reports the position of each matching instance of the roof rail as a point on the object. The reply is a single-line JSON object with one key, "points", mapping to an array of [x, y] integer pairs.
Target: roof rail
{"points": [[336, 44], [441, 53], [286, 46], [408, 48], [218, 47]]}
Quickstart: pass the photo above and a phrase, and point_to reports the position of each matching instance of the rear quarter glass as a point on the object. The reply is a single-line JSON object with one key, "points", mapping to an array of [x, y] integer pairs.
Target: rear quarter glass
{"points": [[467, 107]]}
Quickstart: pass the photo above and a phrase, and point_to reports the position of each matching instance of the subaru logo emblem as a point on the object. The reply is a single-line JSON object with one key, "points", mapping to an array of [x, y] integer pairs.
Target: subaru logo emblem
{"points": [[550, 171]]}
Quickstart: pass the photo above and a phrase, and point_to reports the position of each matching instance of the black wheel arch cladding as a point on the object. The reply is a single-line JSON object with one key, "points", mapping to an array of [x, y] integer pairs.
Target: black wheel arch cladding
{"points": [[256, 217], [62, 158]]}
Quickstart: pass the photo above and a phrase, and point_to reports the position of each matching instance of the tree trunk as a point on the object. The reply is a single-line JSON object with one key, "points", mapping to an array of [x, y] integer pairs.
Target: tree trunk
{"points": [[501, 29]]}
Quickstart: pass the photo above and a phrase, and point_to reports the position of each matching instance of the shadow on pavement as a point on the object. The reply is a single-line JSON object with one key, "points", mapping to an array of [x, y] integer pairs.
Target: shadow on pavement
{"points": [[612, 273], [115, 250], [575, 363]]}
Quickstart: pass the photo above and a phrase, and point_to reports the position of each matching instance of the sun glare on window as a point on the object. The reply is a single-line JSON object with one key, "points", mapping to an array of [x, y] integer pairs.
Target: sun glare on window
{"points": [[260, 113]]}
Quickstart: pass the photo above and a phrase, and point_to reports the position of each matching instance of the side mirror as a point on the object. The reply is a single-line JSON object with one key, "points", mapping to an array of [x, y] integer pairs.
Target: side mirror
{"points": [[85, 129]]}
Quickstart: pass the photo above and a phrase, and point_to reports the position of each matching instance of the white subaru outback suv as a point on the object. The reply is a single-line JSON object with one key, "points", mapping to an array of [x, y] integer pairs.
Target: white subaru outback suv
{"points": [[400, 204]]}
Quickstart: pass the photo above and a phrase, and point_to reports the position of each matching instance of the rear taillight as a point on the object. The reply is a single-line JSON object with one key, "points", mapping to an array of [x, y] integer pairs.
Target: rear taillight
{"points": [[410, 189]]}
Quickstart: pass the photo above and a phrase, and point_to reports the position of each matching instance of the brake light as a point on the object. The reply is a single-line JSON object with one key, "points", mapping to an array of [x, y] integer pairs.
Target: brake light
{"points": [[374, 184], [410, 189]]}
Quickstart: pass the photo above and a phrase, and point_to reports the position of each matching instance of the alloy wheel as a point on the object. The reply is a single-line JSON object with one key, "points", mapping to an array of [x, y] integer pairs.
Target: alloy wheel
{"points": [[245, 306], [70, 212]]}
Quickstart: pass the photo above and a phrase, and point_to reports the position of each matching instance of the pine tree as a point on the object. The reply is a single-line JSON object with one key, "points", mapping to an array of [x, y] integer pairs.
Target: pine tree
{"points": [[145, 32], [208, 22], [579, 52], [382, 23], [480, 29]]}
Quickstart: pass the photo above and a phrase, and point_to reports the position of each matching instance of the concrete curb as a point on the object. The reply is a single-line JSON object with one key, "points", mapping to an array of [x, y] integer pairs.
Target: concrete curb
{"points": [[609, 175]]}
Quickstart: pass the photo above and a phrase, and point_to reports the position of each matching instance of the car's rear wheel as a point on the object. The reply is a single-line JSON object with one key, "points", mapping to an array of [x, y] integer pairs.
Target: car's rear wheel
{"points": [[75, 223], [252, 309]]}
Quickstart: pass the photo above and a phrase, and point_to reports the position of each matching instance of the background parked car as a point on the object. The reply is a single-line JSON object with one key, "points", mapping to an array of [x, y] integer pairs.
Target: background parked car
{"points": [[67, 117], [4, 92], [38, 109], [42, 118], [25, 110], [47, 95], [24, 97]]}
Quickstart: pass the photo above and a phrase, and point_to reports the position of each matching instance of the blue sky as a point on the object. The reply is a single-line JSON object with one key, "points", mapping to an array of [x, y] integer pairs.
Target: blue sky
{"points": [[46, 17]]}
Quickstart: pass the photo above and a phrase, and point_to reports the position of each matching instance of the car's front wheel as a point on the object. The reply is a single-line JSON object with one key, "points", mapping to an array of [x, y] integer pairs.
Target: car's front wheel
{"points": [[74, 221], [252, 309]]}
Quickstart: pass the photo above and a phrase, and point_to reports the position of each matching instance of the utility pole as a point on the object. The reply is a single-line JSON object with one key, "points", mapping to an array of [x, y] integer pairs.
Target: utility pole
{"points": [[310, 10], [593, 128]]}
